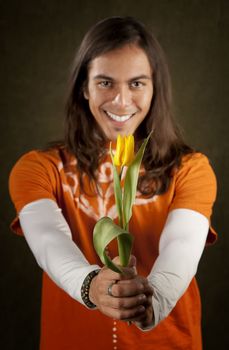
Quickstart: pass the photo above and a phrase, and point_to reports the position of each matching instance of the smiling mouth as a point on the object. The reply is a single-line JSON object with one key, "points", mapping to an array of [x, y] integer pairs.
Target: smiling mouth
{"points": [[119, 118]]}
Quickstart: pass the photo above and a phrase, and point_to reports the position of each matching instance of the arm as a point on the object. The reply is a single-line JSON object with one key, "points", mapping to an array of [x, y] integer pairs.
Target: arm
{"points": [[49, 238], [180, 248]]}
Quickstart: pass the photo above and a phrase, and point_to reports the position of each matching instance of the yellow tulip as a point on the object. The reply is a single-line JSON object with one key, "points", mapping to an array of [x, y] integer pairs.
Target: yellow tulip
{"points": [[124, 154], [125, 190]]}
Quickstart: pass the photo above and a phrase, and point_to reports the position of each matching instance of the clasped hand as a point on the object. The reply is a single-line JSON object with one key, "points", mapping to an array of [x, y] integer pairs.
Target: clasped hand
{"points": [[129, 297]]}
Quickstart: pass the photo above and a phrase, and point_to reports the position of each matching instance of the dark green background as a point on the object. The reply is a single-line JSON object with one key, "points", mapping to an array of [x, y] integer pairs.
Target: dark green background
{"points": [[38, 42]]}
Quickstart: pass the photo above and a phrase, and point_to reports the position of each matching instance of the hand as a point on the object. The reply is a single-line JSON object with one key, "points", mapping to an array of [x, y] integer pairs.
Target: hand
{"points": [[147, 320], [131, 294]]}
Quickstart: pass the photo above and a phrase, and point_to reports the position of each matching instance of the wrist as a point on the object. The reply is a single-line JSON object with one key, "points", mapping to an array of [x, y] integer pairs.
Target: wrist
{"points": [[86, 287]]}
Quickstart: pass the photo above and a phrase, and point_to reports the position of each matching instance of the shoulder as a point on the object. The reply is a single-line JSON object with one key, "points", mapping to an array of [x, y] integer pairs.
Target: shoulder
{"points": [[195, 187], [195, 184], [48, 159], [37, 175], [195, 157], [196, 172], [195, 165]]}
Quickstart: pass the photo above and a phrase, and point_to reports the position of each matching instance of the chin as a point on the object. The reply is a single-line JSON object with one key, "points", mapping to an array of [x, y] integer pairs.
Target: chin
{"points": [[113, 134]]}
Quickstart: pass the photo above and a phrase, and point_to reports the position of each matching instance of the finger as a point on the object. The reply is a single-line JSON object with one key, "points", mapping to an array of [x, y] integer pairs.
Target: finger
{"points": [[108, 274], [124, 314], [128, 288], [125, 303], [116, 260], [132, 261], [129, 271], [145, 322], [148, 289]]}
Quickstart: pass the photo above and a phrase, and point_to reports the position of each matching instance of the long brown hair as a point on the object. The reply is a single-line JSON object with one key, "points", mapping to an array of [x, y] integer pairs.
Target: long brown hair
{"points": [[83, 136]]}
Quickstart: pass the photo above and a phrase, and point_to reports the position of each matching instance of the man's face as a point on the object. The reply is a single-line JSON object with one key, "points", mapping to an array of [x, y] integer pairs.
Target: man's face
{"points": [[120, 90]]}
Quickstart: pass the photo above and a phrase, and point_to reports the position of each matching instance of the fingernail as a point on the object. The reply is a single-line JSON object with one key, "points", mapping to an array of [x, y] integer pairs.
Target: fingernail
{"points": [[141, 308], [142, 297]]}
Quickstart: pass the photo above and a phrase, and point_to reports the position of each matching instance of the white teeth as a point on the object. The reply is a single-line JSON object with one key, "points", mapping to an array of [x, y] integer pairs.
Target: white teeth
{"points": [[118, 118]]}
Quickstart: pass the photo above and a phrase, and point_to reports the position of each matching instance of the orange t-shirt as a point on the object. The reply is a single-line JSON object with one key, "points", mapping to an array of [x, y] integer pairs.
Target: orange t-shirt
{"points": [[65, 323]]}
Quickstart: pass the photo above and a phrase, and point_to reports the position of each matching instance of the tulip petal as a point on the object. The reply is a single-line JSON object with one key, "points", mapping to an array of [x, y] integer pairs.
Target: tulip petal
{"points": [[119, 151], [128, 154], [117, 190]]}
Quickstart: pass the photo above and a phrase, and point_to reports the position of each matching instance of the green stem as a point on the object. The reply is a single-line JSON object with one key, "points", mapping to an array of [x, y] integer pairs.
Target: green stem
{"points": [[121, 218], [120, 175], [121, 251], [121, 248]]}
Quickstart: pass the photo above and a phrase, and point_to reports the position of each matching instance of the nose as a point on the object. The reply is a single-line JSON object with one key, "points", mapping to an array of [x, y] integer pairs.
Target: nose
{"points": [[123, 97]]}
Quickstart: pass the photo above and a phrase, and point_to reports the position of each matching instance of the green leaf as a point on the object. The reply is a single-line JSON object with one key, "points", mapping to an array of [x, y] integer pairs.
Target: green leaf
{"points": [[131, 181], [104, 232]]}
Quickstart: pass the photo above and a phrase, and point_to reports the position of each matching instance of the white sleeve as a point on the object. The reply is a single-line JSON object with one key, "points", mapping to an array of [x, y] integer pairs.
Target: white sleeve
{"points": [[180, 248], [49, 238]]}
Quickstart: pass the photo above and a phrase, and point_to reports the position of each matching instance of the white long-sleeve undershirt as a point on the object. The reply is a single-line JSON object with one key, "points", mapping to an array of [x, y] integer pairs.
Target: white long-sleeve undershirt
{"points": [[181, 245], [49, 237]]}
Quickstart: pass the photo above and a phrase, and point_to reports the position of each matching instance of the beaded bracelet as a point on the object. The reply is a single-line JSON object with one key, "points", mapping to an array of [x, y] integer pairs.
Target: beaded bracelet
{"points": [[85, 289]]}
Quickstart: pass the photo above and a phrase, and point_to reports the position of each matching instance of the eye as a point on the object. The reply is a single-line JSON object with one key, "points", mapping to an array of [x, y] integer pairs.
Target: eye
{"points": [[137, 84], [105, 83]]}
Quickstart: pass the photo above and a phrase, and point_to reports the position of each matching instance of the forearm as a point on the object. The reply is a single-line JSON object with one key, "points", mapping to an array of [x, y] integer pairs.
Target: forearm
{"points": [[181, 245], [49, 238]]}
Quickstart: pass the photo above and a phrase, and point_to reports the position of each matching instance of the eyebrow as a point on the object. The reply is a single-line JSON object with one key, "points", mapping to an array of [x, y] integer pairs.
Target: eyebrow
{"points": [[106, 77]]}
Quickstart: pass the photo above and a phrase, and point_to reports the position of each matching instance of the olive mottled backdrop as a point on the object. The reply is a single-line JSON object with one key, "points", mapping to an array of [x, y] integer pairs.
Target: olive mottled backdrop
{"points": [[39, 39]]}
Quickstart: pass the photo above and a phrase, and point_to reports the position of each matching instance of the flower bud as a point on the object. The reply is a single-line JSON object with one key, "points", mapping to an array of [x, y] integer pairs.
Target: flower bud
{"points": [[124, 154]]}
